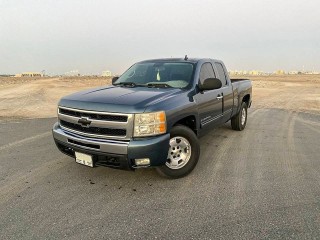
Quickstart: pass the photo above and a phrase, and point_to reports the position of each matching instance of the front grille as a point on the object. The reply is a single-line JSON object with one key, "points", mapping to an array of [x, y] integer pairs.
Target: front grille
{"points": [[105, 125], [94, 130], [95, 116]]}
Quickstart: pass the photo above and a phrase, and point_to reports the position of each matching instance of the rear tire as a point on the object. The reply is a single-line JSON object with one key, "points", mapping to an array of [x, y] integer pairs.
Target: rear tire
{"points": [[183, 154], [239, 121]]}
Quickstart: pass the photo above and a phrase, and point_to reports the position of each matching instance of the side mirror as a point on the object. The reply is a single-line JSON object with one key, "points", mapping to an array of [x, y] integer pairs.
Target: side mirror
{"points": [[114, 79], [210, 84]]}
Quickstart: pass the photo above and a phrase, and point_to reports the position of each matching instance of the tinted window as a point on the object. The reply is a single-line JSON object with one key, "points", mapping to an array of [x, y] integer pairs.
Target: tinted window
{"points": [[206, 72], [222, 74]]}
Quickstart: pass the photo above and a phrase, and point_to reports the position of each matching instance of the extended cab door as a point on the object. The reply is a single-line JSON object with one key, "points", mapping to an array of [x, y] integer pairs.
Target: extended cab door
{"points": [[227, 91], [210, 101]]}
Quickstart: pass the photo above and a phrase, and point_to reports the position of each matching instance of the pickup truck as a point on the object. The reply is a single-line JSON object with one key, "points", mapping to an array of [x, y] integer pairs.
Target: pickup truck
{"points": [[152, 115]]}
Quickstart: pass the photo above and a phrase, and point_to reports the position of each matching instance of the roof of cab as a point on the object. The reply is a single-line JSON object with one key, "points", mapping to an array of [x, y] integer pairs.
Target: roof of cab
{"points": [[190, 60]]}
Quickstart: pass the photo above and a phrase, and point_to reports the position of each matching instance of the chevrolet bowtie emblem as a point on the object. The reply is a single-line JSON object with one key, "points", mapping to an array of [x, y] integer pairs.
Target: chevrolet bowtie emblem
{"points": [[85, 122]]}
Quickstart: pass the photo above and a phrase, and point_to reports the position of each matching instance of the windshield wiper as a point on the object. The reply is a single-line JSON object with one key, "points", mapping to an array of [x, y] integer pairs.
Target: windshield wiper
{"points": [[160, 85], [128, 84], [150, 85]]}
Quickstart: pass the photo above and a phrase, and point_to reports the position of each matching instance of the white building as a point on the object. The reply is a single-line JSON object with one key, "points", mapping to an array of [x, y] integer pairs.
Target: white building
{"points": [[72, 73], [106, 73]]}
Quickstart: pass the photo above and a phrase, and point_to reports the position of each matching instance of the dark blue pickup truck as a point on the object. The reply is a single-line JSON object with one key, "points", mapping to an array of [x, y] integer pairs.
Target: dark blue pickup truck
{"points": [[152, 115]]}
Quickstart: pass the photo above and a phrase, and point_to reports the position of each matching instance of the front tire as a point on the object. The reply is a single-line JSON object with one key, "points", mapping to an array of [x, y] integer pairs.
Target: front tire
{"points": [[239, 121], [183, 154]]}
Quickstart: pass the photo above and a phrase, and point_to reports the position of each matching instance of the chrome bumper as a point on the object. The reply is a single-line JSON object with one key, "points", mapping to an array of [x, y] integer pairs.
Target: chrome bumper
{"points": [[154, 148], [101, 145]]}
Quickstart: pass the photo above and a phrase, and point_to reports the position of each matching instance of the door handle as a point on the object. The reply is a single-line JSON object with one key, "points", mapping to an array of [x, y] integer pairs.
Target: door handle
{"points": [[219, 97]]}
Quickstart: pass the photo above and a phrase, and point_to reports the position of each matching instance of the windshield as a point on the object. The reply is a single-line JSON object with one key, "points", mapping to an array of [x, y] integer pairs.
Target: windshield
{"points": [[158, 74]]}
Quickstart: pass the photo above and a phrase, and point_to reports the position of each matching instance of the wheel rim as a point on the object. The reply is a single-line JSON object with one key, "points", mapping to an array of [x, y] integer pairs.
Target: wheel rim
{"points": [[243, 116], [179, 153]]}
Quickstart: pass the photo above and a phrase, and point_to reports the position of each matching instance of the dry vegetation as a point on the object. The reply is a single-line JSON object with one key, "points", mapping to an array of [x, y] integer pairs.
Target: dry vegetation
{"points": [[38, 97]]}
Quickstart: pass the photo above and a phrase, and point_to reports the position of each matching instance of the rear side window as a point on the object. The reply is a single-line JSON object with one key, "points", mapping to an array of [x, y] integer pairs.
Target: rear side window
{"points": [[222, 74], [206, 72]]}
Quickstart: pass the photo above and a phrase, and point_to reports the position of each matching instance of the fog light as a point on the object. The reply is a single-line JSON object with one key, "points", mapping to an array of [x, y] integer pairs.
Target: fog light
{"points": [[142, 161]]}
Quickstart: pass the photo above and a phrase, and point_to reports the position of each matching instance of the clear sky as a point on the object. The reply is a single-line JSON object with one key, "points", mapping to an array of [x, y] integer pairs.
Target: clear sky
{"points": [[95, 35]]}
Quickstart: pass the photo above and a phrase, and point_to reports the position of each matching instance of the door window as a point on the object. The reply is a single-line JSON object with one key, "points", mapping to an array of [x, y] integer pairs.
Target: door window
{"points": [[206, 71], [222, 74]]}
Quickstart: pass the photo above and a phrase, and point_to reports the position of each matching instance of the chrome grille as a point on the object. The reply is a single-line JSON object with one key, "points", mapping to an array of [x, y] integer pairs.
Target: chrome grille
{"points": [[100, 124], [94, 130], [96, 116]]}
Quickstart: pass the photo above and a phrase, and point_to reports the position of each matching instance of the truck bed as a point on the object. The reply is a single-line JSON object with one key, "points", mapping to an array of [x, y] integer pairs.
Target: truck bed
{"points": [[241, 88], [241, 84], [238, 79]]}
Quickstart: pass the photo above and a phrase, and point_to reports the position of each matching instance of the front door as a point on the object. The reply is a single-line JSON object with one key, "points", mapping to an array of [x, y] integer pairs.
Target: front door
{"points": [[209, 102]]}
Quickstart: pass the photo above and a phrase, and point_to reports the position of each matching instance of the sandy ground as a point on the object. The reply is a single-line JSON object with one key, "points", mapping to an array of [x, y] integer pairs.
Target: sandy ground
{"points": [[299, 93], [38, 98]]}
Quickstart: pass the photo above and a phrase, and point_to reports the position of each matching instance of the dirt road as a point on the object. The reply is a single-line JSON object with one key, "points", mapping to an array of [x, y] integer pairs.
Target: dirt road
{"points": [[262, 183]]}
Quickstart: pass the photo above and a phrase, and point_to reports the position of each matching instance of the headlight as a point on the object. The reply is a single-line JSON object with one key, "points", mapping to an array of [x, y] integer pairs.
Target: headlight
{"points": [[149, 124]]}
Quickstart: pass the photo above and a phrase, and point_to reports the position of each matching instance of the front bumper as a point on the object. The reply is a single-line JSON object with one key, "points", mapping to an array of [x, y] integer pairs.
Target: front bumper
{"points": [[114, 153]]}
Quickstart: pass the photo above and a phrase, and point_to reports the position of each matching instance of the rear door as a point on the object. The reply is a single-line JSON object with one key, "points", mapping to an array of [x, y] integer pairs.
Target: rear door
{"points": [[226, 91], [209, 102]]}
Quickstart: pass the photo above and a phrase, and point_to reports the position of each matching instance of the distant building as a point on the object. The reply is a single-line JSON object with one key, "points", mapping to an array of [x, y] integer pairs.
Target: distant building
{"points": [[7, 75], [255, 72], [243, 72], [236, 72], [29, 74], [280, 72], [106, 73], [72, 73]]}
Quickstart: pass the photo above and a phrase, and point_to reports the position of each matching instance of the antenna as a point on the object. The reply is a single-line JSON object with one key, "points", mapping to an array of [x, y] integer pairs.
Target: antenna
{"points": [[186, 57]]}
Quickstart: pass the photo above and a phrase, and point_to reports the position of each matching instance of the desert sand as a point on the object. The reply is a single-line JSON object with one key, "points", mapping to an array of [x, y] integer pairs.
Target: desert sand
{"points": [[38, 97]]}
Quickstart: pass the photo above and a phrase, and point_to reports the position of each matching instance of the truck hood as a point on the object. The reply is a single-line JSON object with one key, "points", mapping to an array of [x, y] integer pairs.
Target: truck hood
{"points": [[118, 99]]}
